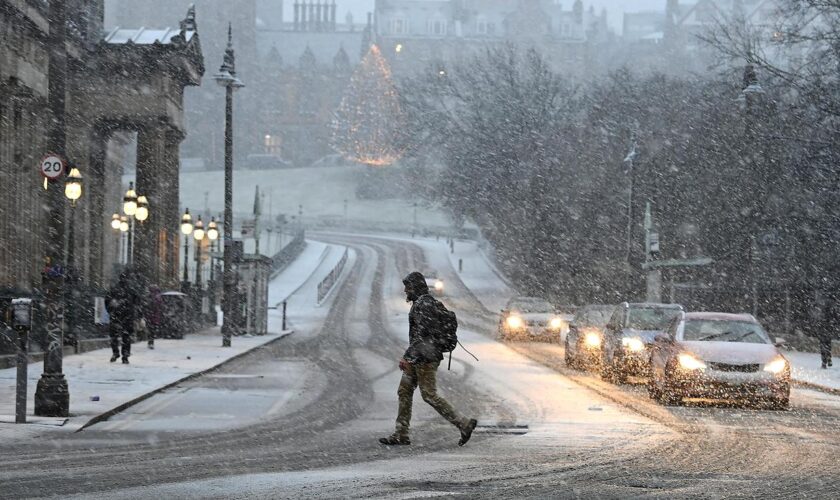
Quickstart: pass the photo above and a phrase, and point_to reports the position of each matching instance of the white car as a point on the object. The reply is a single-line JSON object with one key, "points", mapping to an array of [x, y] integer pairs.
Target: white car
{"points": [[530, 318], [434, 283], [717, 356]]}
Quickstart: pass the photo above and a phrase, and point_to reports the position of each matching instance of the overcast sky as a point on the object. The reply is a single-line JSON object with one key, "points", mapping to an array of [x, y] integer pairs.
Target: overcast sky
{"points": [[615, 8]]}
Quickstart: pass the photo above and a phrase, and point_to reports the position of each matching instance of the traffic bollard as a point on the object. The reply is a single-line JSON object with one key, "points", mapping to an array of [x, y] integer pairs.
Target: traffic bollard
{"points": [[284, 315], [22, 323], [460, 265]]}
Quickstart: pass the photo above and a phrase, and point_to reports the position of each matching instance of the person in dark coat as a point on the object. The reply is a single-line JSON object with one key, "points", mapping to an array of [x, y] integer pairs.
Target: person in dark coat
{"points": [[830, 324], [153, 313], [123, 304], [419, 365]]}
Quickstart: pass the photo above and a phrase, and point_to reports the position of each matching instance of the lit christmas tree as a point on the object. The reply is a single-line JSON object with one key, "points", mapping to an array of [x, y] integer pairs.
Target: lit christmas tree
{"points": [[367, 122]]}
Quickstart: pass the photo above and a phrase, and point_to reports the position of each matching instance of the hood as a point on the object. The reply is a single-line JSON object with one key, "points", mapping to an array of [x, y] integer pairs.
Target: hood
{"points": [[536, 317], [417, 282], [645, 336], [733, 353]]}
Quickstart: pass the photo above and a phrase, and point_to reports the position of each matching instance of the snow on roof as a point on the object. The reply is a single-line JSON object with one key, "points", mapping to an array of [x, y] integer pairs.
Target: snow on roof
{"points": [[144, 36]]}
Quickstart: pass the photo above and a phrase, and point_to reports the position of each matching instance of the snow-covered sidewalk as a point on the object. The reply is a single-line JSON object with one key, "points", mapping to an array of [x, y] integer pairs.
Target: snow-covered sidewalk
{"points": [[805, 369], [99, 388]]}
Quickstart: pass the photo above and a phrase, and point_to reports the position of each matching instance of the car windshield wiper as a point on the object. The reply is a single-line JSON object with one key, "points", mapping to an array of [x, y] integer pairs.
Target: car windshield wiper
{"points": [[715, 335], [739, 337]]}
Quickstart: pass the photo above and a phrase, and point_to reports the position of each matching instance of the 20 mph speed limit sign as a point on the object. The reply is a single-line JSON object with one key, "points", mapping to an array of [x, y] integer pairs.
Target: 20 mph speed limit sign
{"points": [[52, 166]]}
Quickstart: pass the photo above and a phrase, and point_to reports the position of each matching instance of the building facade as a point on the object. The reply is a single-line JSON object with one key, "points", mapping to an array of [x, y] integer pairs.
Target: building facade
{"points": [[118, 83], [415, 35]]}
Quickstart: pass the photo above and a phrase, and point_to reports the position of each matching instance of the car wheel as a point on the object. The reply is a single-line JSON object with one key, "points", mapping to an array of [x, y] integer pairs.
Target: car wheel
{"points": [[667, 396], [569, 359], [653, 391], [608, 371]]}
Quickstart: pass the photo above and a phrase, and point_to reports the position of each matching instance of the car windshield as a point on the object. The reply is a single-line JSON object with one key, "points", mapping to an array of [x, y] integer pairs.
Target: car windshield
{"points": [[650, 318], [594, 316], [724, 331], [531, 305]]}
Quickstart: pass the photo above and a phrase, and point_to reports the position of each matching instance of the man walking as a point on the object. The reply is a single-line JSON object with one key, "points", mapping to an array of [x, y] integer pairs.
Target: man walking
{"points": [[122, 303], [829, 324], [420, 363]]}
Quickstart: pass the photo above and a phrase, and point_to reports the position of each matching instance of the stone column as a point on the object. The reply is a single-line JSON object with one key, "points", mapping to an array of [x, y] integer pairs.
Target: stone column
{"points": [[95, 192], [151, 171], [172, 209]]}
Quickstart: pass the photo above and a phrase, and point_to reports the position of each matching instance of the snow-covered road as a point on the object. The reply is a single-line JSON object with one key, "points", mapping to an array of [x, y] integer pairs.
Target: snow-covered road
{"points": [[546, 431]]}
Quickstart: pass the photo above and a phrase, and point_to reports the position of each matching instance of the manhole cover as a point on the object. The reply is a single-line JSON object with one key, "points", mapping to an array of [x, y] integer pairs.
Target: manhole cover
{"points": [[502, 429]]}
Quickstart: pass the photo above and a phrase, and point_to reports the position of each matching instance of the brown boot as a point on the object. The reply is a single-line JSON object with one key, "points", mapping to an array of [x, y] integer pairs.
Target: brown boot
{"points": [[394, 440]]}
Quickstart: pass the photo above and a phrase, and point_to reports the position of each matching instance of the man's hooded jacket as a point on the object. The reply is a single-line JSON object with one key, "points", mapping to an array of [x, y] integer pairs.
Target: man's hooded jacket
{"points": [[421, 322]]}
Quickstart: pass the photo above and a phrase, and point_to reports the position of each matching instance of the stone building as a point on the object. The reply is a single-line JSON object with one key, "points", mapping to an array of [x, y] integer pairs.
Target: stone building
{"points": [[119, 83], [306, 65], [415, 35]]}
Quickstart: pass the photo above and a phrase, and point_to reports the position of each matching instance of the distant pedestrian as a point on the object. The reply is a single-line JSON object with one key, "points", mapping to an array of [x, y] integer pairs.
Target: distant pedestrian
{"points": [[123, 303], [420, 362], [828, 327], [153, 313]]}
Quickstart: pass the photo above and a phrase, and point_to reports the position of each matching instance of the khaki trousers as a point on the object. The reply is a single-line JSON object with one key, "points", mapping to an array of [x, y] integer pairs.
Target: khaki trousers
{"points": [[423, 375]]}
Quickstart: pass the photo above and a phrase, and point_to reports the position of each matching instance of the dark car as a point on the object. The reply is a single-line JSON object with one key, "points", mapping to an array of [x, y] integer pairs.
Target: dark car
{"points": [[583, 342], [628, 336], [717, 356]]}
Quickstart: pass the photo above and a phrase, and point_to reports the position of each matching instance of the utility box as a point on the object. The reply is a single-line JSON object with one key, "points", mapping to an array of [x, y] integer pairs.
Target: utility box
{"points": [[254, 275]]}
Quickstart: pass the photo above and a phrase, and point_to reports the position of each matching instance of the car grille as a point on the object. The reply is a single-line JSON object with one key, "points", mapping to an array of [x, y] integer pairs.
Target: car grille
{"points": [[725, 367]]}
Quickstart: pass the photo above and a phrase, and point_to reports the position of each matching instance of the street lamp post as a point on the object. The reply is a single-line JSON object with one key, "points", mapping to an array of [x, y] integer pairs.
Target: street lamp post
{"points": [[186, 229], [198, 234], [130, 209], [124, 239], [213, 236], [73, 191], [227, 79], [52, 396]]}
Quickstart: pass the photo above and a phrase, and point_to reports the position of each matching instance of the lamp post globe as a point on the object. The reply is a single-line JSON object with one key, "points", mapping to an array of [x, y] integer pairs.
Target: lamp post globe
{"points": [[212, 230], [73, 185], [124, 224], [142, 212], [186, 223], [130, 201], [115, 222], [198, 230]]}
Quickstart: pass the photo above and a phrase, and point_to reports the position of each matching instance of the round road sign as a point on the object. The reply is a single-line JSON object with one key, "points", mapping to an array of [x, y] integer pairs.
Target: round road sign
{"points": [[52, 166]]}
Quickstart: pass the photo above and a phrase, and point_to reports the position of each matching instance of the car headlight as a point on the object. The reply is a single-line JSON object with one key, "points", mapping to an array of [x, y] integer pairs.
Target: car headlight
{"points": [[776, 366], [439, 285], [592, 339], [689, 362], [555, 323], [633, 344], [514, 322]]}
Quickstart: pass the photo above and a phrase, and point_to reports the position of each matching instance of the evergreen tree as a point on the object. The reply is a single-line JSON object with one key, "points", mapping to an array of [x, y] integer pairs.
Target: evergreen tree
{"points": [[368, 120]]}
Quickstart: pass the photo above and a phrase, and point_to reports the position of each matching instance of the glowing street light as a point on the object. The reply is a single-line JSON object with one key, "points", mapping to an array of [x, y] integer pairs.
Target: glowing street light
{"points": [[142, 212], [130, 201], [73, 186]]}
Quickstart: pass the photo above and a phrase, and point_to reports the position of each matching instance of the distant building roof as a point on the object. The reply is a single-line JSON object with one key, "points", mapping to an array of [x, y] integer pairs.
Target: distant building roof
{"points": [[145, 36]]}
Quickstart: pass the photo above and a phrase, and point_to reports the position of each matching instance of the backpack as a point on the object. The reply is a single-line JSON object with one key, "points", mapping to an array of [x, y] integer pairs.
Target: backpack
{"points": [[446, 330], [446, 327]]}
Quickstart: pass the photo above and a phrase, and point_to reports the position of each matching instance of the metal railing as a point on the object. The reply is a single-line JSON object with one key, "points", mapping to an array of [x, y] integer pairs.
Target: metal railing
{"points": [[326, 285]]}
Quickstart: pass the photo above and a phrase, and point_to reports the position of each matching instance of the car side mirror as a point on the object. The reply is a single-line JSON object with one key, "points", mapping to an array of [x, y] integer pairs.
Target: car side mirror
{"points": [[780, 341]]}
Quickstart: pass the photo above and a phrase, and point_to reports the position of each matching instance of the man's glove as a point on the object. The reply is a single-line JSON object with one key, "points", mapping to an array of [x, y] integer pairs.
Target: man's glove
{"points": [[404, 364]]}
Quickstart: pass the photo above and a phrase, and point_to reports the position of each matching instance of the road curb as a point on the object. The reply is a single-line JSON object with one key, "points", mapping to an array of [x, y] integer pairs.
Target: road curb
{"points": [[816, 387], [128, 404]]}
